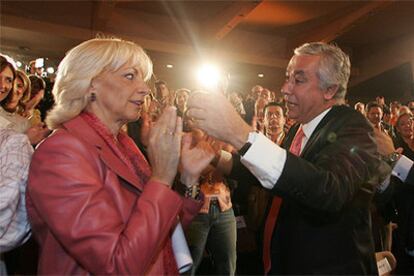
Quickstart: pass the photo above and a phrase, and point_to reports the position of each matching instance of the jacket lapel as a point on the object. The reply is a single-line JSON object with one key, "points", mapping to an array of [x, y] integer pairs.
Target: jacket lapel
{"points": [[85, 132], [317, 134]]}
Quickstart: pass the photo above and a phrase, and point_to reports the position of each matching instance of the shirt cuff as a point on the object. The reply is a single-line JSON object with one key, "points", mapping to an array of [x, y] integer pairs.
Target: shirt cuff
{"points": [[264, 159], [402, 168]]}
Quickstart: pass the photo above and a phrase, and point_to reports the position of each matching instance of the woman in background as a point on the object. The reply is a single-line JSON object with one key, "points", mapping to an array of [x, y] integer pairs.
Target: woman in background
{"points": [[15, 155]]}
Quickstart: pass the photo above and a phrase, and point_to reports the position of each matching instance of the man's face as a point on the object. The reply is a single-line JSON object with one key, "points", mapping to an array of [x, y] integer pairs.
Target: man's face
{"points": [[305, 100], [256, 91], [274, 120], [265, 94], [380, 100], [374, 115]]}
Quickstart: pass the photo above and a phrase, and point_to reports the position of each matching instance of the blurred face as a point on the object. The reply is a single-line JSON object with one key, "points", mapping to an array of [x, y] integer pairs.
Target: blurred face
{"points": [[274, 120], [395, 108], [256, 91], [164, 92], [265, 94], [305, 100], [374, 115], [360, 107], [411, 106], [119, 95], [405, 126], [380, 100], [182, 98], [6, 82], [260, 104], [18, 90]]}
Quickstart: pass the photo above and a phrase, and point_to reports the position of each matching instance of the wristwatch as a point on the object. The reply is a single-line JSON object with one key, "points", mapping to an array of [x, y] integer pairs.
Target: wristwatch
{"points": [[392, 158]]}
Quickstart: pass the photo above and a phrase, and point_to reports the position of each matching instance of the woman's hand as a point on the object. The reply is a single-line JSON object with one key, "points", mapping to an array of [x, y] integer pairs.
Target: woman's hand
{"points": [[164, 145], [194, 160], [145, 128], [37, 133]]}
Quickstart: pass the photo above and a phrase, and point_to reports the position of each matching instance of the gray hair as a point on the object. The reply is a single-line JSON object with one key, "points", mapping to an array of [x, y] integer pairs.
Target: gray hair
{"points": [[334, 67], [83, 63]]}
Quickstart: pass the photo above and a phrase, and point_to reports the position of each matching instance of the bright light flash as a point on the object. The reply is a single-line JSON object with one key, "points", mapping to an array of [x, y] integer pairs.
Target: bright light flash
{"points": [[208, 76], [169, 66], [19, 64], [50, 70], [260, 75]]}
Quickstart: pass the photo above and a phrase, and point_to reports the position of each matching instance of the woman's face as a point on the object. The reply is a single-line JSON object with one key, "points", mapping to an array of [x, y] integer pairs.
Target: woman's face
{"points": [[120, 94], [6, 82], [18, 90], [182, 98], [405, 126]]}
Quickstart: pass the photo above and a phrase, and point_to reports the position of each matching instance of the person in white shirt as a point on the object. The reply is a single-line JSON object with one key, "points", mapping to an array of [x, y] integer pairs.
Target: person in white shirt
{"points": [[15, 156]]}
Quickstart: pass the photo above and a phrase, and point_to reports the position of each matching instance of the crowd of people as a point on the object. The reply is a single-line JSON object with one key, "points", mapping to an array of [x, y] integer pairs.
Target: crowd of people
{"points": [[101, 174]]}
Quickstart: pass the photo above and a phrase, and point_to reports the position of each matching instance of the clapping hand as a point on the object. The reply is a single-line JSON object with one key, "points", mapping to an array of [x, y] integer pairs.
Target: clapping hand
{"points": [[37, 133], [194, 159], [164, 145]]}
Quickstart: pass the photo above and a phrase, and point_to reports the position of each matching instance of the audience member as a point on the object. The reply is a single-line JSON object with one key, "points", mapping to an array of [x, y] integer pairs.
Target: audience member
{"points": [[181, 97], [214, 228], [15, 155], [249, 103], [360, 107]]}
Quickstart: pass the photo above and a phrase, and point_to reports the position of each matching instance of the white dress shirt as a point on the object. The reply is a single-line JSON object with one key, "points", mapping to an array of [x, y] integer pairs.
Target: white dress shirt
{"points": [[266, 160]]}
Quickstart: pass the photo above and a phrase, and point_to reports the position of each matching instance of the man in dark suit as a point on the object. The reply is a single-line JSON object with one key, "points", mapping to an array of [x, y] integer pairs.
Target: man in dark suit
{"points": [[327, 185]]}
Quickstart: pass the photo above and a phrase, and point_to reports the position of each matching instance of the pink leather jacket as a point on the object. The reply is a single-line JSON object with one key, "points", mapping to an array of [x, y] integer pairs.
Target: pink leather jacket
{"points": [[91, 215]]}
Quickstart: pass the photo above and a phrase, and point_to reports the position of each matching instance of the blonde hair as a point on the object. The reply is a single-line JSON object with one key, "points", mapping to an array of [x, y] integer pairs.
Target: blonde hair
{"points": [[26, 85], [83, 63]]}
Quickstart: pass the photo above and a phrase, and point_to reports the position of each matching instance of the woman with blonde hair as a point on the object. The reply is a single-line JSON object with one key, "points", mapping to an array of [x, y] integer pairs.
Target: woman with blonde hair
{"points": [[13, 106], [21, 93], [96, 205]]}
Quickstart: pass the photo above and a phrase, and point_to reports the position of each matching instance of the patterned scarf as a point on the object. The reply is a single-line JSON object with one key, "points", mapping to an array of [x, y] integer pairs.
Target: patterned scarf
{"points": [[126, 150]]}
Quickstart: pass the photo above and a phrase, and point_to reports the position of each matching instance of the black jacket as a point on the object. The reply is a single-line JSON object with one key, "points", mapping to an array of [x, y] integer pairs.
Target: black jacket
{"points": [[324, 225]]}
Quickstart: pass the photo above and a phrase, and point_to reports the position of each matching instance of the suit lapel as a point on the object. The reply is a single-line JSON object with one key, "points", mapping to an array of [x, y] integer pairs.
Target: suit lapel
{"points": [[316, 136], [319, 133], [82, 130]]}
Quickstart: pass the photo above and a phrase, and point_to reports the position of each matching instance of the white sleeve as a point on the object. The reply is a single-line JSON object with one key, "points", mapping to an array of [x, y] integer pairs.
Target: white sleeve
{"points": [[402, 167], [264, 159], [15, 156]]}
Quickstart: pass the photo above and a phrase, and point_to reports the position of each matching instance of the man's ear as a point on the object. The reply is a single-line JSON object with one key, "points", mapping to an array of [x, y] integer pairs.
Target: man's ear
{"points": [[330, 92]]}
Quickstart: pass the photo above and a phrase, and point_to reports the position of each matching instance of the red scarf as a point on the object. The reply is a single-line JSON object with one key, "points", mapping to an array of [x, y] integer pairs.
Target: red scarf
{"points": [[126, 150]]}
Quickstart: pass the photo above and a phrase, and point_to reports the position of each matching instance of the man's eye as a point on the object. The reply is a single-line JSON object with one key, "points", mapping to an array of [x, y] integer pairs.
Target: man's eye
{"points": [[299, 81]]}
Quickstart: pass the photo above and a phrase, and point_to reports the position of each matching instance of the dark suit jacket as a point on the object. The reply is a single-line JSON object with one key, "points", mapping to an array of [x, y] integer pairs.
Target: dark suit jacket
{"points": [[324, 225]]}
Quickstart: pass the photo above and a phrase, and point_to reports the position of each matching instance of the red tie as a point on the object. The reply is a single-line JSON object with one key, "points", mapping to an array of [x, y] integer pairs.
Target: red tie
{"points": [[295, 148]]}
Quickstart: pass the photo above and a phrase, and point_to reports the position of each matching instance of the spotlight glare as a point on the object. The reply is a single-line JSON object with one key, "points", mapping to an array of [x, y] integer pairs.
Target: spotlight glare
{"points": [[208, 76], [50, 70], [19, 64], [260, 75], [169, 66]]}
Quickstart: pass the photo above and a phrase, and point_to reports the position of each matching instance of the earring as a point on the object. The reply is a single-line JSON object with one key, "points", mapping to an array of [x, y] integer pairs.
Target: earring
{"points": [[92, 98]]}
